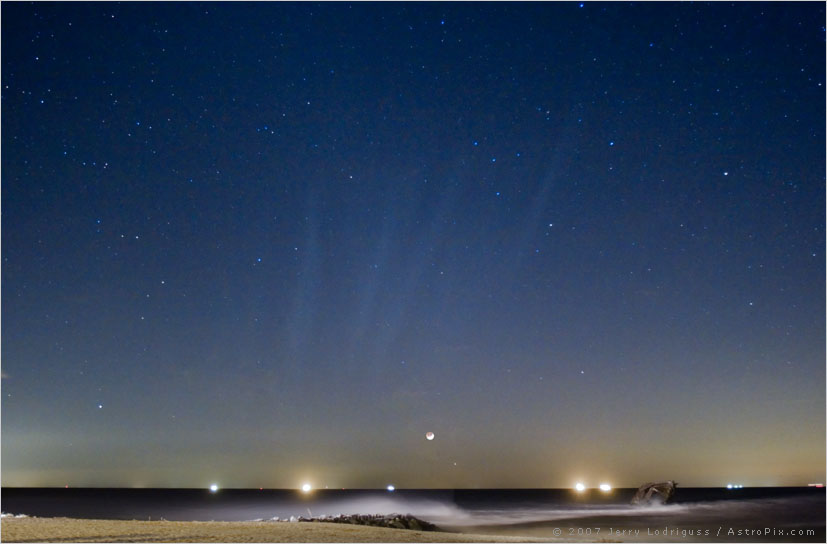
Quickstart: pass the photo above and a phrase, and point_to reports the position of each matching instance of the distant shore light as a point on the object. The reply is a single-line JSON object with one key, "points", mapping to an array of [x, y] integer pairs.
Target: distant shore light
{"points": [[429, 435], [579, 486], [605, 487], [214, 488], [729, 486], [391, 488], [306, 488]]}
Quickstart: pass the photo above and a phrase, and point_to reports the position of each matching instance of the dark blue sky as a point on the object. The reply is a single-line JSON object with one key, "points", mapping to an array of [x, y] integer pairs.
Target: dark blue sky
{"points": [[261, 244]]}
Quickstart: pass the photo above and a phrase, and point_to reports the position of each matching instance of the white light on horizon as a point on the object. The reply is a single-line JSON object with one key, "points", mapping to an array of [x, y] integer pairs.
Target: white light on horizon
{"points": [[729, 486], [391, 488], [306, 488], [214, 488], [579, 486], [605, 487]]}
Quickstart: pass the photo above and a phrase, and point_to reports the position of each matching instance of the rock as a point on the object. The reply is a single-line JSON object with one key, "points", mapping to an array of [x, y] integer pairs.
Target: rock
{"points": [[655, 493], [392, 521]]}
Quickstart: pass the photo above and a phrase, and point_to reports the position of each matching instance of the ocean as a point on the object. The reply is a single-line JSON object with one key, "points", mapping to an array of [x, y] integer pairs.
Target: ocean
{"points": [[696, 515]]}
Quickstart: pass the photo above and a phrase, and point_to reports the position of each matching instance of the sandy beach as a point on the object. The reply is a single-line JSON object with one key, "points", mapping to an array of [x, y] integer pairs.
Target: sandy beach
{"points": [[83, 530]]}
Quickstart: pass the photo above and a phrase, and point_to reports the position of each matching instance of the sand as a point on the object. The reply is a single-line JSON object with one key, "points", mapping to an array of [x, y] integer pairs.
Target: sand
{"points": [[85, 530]]}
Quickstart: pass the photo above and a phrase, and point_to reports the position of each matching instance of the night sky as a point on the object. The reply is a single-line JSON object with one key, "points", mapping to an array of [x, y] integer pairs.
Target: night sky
{"points": [[263, 244]]}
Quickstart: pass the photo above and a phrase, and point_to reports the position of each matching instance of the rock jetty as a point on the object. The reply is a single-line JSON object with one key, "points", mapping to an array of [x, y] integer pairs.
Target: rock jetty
{"points": [[391, 521]]}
